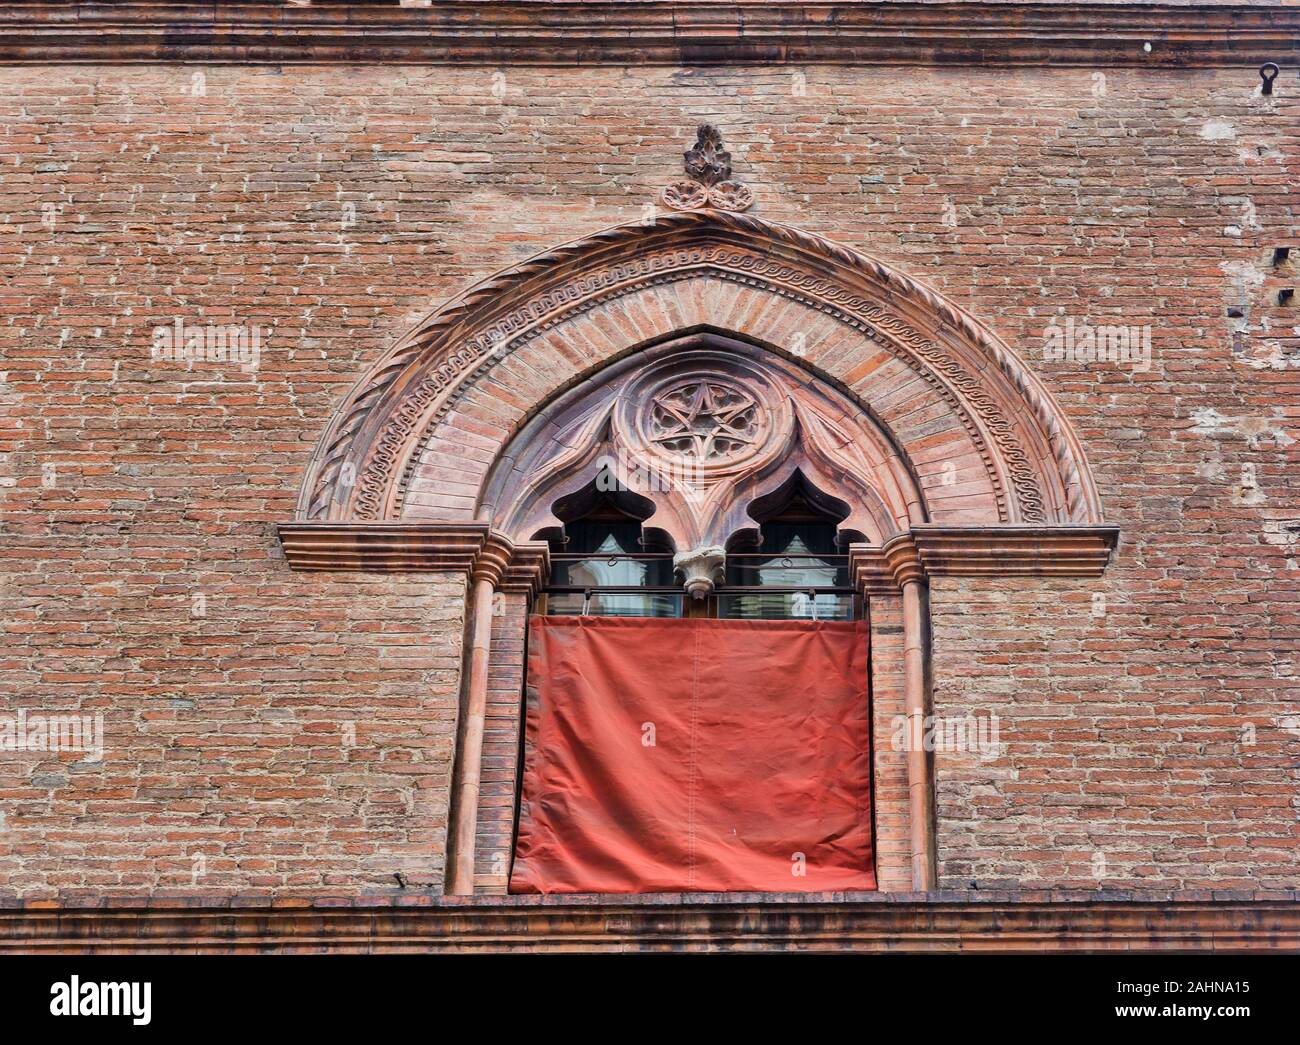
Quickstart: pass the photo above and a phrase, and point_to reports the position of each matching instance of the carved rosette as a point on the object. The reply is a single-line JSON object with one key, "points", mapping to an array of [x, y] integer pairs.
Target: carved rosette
{"points": [[685, 195], [730, 195], [704, 419], [697, 423]]}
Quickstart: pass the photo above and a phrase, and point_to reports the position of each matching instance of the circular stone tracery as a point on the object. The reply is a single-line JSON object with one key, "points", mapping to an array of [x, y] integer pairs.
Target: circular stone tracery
{"points": [[704, 420], [703, 415]]}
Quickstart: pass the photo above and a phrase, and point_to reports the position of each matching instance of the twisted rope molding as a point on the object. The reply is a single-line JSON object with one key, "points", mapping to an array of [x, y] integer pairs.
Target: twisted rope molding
{"points": [[377, 481], [469, 319]]}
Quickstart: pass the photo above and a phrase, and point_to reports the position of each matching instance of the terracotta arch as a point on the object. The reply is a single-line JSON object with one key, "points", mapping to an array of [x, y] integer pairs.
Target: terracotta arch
{"points": [[469, 375], [966, 465], [796, 423]]}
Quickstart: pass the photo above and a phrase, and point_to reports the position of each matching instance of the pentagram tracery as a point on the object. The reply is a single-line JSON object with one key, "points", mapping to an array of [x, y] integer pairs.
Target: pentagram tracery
{"points": [[704, 420]]}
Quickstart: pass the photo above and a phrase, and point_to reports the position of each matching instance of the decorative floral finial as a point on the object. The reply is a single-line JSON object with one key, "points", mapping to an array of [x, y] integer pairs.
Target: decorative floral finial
{"points": [[708, 165]]}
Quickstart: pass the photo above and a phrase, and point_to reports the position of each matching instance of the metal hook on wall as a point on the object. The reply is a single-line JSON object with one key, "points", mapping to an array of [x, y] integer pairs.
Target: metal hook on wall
{"points": [[1268, 73]]}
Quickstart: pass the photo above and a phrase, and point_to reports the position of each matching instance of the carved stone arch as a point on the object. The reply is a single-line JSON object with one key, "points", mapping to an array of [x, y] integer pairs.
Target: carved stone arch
{"points": [[416, 436], [702, 426], [950, 455]]}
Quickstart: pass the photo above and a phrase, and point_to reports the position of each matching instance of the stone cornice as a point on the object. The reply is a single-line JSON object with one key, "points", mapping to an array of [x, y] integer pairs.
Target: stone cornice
{"points": [[529, 568], [928, 550], [1015, 551], [544, 32], [416, 547], [521, 567], [383, 547], [418, 923]]}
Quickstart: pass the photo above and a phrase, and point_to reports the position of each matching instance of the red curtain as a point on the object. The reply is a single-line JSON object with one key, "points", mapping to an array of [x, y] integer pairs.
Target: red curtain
{"points": [[695, 755]]}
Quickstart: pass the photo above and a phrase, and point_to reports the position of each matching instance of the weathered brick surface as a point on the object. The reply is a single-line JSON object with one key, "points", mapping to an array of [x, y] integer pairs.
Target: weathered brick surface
{"points": [[297, 737], [889, 784], [333, 206]]}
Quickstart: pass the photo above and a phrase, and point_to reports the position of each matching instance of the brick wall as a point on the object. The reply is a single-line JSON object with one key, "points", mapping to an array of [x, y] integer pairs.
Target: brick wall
{"points": [[889, 759], [331, 207]]}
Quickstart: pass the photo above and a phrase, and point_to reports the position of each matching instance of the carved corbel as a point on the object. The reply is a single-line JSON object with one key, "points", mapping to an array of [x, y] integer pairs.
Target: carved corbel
{"points": [[702, 569]]}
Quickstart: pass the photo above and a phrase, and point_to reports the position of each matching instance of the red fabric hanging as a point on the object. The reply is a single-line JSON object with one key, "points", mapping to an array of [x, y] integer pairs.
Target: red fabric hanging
{"points": [[673, 755]]}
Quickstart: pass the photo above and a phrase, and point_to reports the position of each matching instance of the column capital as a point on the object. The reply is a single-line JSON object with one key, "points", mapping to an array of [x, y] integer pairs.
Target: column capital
{"points": [[512, 567]]}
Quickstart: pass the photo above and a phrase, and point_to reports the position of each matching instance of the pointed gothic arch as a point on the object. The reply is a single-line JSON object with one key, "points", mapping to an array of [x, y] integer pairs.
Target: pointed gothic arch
{"points": [[952, 457], [631, 421], [470, 374]]}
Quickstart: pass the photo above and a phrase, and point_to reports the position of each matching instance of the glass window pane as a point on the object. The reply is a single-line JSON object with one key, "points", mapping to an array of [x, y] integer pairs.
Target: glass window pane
{"points": [[607, 604], [797, 568], [799, 538], [614, 604], [565, 603], [786, 605], [615, 536], [786, 572], [612, 571]]}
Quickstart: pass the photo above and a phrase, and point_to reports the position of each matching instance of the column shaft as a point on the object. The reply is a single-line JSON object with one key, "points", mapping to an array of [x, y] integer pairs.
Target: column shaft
{"points": [[917, 703], [460, 881]]}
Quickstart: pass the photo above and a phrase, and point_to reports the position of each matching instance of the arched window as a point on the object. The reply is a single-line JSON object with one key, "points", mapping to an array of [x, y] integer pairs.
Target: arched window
{"points": [[604, 562], [795, 565], [713, 356], [792, 566]]}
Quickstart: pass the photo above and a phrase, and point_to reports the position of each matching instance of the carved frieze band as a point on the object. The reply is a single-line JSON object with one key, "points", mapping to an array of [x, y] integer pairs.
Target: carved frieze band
{"points": [[481, 337], [981, 551]]}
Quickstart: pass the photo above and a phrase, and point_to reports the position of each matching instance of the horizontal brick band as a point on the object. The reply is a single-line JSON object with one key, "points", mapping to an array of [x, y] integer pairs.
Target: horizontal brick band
{"points": [[918, 923], [601, 31]]}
